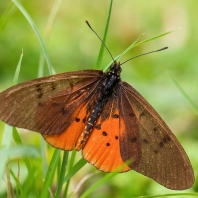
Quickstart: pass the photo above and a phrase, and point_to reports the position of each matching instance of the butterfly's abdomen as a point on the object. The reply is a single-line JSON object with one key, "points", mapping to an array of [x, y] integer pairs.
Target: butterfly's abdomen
{"points": [[90, 123], [105, 91]]}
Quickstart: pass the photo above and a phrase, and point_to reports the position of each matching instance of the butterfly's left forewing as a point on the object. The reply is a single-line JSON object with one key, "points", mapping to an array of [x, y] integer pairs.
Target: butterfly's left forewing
{"points": [[46, 105], [160, 155]]}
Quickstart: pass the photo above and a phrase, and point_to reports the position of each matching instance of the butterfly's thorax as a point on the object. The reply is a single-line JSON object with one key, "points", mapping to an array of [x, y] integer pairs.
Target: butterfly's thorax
{"points": [[106, 90]]}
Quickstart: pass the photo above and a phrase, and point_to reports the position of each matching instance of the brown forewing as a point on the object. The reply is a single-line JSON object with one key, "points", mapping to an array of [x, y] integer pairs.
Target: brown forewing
{"points": [[45, 104], [162, 157]]}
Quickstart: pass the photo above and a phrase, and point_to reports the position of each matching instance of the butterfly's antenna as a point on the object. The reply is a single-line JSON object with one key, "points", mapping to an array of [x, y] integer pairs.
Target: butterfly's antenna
{"points": [[164, 48], [100, 40]]}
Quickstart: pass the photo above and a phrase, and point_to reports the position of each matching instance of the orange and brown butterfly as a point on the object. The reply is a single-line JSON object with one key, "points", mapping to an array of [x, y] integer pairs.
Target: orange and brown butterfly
{"points": [[106, 118]]}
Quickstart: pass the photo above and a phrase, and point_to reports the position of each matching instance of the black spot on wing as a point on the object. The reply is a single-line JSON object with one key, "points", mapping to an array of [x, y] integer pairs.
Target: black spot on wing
{"points": [[104, 116], [40, 95], [166, 139], [38, 88], [155, 151], [104, 133], [77, 119], [39, 91], [84, 119], [131, 114], [40, 104], [133, 139], [98, 126], [161, 144], [145, 141], [53, 87], [155, 129], [115, 116], [142, 114]]}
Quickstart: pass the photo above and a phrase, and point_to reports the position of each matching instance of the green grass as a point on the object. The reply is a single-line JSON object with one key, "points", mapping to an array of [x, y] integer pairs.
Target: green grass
{"points": [[53, 35]]}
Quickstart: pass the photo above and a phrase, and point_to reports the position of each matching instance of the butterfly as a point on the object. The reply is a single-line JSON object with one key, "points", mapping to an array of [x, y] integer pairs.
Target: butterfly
{"points": [[106, 118]]}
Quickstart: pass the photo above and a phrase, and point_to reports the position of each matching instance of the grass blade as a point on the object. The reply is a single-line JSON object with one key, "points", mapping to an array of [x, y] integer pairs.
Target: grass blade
{"points": [[71, 163], [100, 56], [75, 169], [123, 53], [136, 44], [31, 171], [155, 37], [4, 152], [18, 68], [50, 173], [62, 174], [5, 17], [100, 182], [33, 26], [48, 29], [191, 102]]}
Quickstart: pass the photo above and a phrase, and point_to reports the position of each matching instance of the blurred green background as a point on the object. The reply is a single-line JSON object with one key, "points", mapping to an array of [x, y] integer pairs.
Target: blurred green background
{"points": [[72, 46]]}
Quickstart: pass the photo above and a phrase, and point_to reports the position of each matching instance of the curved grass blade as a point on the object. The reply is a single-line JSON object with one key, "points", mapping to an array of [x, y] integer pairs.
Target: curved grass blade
{"points": [[48, 29], [5, 16], [99, 183], [191, 102], [75, 169], [155, 37], [33, 26], [104, 180], [82, 181]]}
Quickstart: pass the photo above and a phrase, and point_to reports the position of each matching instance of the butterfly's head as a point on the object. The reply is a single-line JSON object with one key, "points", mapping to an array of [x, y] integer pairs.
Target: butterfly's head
{"points": [[115, 69]]}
